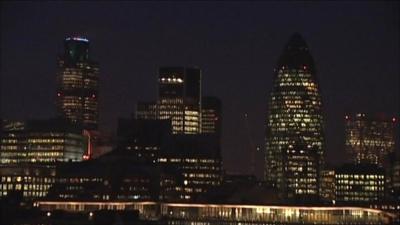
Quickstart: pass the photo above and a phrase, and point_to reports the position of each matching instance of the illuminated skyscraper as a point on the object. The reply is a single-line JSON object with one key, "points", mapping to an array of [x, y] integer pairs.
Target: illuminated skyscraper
{"points": [[369, 139], [294, 126], [77, 92], [179, 100]]}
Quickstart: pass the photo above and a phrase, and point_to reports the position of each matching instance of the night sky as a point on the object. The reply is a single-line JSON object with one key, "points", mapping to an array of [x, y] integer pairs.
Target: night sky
{"points": [[355, 47]]}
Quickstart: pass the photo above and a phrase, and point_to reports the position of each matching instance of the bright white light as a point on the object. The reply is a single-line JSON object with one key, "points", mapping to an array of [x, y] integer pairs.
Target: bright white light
{"points": [[77, 39]]}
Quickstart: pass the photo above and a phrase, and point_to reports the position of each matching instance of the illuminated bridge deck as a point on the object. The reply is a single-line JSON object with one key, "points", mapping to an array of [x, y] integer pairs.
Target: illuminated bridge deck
{"points": [[210, 214]]}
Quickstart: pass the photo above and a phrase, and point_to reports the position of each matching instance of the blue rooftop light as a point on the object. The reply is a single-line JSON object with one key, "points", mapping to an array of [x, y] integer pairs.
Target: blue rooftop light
{"points": [[77, 39]]}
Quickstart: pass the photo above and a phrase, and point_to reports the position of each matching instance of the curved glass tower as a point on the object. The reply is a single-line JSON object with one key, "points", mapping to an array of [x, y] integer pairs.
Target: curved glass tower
{"points": [[294, 126]]}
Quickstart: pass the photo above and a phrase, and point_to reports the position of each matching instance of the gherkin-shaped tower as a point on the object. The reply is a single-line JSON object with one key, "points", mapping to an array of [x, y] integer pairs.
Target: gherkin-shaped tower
{"points": [[294, 126]]}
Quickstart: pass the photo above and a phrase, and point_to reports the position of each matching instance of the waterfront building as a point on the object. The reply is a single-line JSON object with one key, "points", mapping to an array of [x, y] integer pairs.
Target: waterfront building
{"points": [[49, 140]]}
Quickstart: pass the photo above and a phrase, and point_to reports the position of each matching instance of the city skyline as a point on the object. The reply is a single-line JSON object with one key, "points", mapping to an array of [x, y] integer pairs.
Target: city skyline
{"points": [[124, 81]]}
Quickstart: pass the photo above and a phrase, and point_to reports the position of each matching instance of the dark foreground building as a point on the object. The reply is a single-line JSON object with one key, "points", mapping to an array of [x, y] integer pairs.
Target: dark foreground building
{"points": [[116, 176], [31, 180], [195, 162]]}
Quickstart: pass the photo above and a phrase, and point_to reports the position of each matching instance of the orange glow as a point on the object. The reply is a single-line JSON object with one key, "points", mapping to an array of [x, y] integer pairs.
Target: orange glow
{"points": [[89, 152]]}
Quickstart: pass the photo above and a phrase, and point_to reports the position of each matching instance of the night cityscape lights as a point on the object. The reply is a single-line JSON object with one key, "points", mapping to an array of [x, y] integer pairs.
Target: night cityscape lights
{"points": [[77, 94], [166, 166], [172, 130], [179, 99], [369, 139], [294, 126]]}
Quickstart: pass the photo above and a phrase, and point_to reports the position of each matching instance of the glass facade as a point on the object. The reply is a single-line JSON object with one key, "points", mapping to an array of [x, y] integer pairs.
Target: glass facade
{"points": [[369, 139], [77, 94], [294, 121], [41, 141], [362, 183], [179, 100]]}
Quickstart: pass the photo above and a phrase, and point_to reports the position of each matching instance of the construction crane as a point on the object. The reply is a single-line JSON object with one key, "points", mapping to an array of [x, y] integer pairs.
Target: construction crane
{"points": [[252, 146]]}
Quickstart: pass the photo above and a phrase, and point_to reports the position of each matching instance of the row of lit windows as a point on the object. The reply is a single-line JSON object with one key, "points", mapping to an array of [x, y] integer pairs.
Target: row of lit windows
{"points": [[25, 179], [357, 188], [40, 140], [200, 175], [357, 176], [187, 160], [361, 182]]}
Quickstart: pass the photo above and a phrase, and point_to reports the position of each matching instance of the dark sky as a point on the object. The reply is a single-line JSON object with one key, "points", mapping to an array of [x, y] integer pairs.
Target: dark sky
{"points": [[355, 46]]}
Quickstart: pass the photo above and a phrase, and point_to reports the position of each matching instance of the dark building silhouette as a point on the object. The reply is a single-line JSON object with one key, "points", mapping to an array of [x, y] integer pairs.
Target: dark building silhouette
{"points": [[32, 180], [393, 178], [196, 162], [143, 137], [294, 118], [77, 80], [115, 176]]}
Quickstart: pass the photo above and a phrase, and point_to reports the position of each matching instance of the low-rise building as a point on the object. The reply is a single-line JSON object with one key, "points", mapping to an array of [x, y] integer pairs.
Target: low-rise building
{"points": [[360, 183]]}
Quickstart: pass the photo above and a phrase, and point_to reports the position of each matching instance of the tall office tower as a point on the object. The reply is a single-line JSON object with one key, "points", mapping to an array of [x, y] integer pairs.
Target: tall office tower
{"points": [[77, 93], [294, 119], [41, 141], [211, 115], [179, 100], [369, 139]]}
